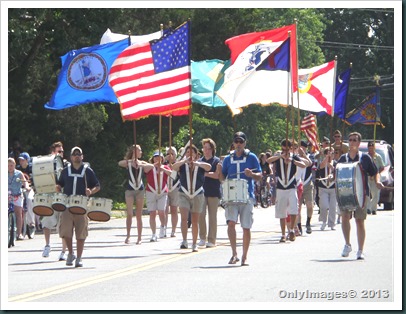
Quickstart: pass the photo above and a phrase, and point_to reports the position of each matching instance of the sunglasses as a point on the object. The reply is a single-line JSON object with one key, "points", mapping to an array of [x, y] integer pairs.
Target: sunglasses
{"points": [[60, 151], [352, 140], [239, 141], [337, 135], [76, 154]]}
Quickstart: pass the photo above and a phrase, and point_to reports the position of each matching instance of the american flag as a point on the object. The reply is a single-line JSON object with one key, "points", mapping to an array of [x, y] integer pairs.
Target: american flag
{"points": [[309, 127], [154, 78]]}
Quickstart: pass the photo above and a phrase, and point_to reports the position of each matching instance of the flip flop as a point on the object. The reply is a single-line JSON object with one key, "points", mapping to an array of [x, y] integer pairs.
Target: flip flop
{"points": [[234, 260], [244, 263], [127, 241]]}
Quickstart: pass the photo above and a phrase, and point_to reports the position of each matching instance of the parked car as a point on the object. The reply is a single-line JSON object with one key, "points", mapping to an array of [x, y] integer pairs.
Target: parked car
{"points": [[385, 150]]}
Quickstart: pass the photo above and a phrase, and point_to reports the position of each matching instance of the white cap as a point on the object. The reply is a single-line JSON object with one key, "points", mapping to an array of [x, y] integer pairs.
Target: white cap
{"points": [[76, 148]]}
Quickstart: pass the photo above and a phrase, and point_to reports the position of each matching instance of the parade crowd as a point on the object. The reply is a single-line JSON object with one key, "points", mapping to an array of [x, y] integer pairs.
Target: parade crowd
{"points": [[195, 183]]}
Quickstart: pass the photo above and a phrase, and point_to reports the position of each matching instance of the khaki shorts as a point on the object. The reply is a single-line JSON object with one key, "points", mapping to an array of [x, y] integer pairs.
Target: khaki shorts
{"points": [[359, 213], [68, 222], [194, 205], [135, 194], [307, 194], [155, 201], [173, 198]]}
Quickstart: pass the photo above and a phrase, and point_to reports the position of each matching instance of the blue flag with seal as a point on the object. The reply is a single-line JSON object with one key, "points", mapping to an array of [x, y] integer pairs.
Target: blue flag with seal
{"points": [[368, 112], [207, 78], [84, 76]]}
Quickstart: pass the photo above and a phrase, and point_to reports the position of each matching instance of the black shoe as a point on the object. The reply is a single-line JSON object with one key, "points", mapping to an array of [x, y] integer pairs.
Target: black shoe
{"points": [[189, 223], [308, 229], [368, 211]]}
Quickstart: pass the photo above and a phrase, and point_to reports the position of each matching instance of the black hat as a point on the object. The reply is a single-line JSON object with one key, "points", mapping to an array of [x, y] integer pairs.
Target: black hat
{"points": [[240, 135], [303, 143]]}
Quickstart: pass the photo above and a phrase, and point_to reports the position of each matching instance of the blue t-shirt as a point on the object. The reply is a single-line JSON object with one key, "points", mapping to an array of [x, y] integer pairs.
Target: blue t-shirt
{"points": [[233, 165], [211, 186]]}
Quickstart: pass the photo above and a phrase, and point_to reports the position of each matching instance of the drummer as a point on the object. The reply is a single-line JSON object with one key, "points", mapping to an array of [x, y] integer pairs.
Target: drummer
{"points": [[360, 214], [51, 222], [240, 164], [76, 179]]}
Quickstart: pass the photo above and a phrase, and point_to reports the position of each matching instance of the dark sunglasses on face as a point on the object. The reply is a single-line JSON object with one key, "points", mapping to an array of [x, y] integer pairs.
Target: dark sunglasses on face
{"points": [[76, 154], [337, 136], [238, 141], [60, 151], [353, 140]]}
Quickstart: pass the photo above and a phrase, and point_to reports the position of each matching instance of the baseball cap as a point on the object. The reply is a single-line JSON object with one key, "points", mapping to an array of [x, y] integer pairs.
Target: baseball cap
{"points": [[24, 155], [303, 143], [240, 135], [76, 148], [326, 139], [157, 153]]}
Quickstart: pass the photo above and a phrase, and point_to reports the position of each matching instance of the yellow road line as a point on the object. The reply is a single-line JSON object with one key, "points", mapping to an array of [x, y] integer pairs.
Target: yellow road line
{"points": [[31, 296]]}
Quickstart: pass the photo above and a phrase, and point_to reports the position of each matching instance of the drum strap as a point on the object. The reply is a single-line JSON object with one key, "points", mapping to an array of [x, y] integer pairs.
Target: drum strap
{"points": [[191, 184], [347, 158], [76, 176], [237, 163], [282, 180], [161, 188], [132, 181], [327, 183]]}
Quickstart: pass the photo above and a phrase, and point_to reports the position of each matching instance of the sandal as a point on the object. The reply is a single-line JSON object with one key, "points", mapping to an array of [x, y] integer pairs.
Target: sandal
{"points": [[282, 240], [127, 241], [234, 260]]}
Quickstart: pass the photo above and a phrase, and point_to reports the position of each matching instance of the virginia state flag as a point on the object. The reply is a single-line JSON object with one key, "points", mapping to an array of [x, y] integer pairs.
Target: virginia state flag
{"points": [[266, 81], [341, 92], [207, 78], [368, 112], [84, 76]]}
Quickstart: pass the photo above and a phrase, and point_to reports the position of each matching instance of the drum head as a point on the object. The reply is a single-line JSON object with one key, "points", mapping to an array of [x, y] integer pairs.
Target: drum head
{"points": [[359, 190], [42, 210], [98, 216]]}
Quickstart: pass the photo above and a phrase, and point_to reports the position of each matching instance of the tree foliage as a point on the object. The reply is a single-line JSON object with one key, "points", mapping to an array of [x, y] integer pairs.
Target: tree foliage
{"points": [[37, 39]]}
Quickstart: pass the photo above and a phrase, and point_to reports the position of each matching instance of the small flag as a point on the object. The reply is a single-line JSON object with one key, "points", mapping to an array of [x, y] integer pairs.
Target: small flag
{"points": [[309, 127]]}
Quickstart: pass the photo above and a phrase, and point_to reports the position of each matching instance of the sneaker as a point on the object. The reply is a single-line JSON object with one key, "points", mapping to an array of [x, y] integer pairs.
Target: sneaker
{"points": [[292, 236], [62, 256], [79, 263], [202, 243], [360, 255], [184, 244], [194, 248], [333, 227], [209, 245], [346, 251], [46, 251], [70, 259], [368, 211], [374, 212], [308, 229], [323, 226], [162, 232], [153, 238]]}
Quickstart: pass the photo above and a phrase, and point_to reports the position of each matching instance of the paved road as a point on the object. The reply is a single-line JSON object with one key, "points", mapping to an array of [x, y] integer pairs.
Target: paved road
{"points": [[308, 273]]}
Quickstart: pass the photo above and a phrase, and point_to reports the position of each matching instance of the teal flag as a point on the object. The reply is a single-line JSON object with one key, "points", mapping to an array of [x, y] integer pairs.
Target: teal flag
{"points": [[207, 78]]}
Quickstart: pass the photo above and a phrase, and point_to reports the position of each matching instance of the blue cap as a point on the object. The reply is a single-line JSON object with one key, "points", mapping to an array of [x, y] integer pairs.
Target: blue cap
{"points": [[24, 155]]}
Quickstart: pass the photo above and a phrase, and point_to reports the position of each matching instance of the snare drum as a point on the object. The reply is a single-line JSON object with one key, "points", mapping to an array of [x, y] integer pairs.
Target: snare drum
{"points": [[235, 191], [45, 172], [99, 209], [59, 202], [350, 186], [77, 204], [43, 205]]}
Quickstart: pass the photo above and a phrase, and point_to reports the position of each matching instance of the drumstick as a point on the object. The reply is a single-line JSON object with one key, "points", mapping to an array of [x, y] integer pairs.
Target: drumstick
{"points": [[241, 172]]}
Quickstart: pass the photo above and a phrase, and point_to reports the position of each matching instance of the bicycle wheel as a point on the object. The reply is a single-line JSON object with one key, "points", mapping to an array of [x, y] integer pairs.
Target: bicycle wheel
{"points": [[264, 197], [11, 233]]}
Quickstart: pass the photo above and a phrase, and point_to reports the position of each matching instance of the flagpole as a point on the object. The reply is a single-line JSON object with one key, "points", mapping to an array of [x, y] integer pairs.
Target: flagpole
{"points": [[345, 109], [298, 105], [190, 116], [378, 102]]}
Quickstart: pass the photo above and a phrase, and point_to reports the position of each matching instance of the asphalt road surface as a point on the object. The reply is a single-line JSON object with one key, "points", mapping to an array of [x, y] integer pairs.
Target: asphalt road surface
{"points": [[308, 273]]}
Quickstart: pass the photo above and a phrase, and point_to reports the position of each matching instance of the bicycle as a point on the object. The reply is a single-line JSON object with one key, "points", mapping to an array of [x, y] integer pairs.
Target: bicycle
{"points": [[27, 229], [12, 228], [262, 193]]}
